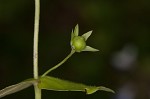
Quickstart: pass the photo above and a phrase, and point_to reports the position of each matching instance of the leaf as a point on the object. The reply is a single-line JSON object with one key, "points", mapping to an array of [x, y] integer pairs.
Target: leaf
{"points": [[87, 35], [88, 48], [17, 87], [55, 84], [76, 30]]}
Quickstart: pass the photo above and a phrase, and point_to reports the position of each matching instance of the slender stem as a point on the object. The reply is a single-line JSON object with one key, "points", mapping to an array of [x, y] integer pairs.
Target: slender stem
{"points": [[38, 93], [35, 48], [36, 33], [59, 64]]}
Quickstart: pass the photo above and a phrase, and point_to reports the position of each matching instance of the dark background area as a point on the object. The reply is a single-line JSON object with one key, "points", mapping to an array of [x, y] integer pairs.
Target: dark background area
{"points": [[121, 31]]}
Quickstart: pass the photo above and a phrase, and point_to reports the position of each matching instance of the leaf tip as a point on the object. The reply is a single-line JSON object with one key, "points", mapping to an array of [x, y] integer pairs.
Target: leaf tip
{"points": [[106, 89], [91, 90]]}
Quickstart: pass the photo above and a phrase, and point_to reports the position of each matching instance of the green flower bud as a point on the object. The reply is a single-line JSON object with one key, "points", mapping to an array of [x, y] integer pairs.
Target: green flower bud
{"points": [[78, 43]]}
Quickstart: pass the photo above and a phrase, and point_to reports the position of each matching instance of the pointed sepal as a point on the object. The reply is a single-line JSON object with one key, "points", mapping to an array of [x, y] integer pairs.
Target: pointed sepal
{"points": [[88, 48], [76, 30], [87, 35], [72, 35]]}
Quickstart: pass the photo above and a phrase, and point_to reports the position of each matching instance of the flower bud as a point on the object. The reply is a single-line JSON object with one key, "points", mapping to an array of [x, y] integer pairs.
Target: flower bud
{"points": [[78, 43]]}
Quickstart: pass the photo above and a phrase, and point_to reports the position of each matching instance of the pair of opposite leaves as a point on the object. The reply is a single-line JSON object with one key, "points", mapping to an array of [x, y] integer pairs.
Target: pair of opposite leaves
{"points": [[52, 83]]}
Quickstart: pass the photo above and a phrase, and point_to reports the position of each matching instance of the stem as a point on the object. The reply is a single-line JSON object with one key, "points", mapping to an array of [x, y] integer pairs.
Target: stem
{"points": [[59, 64], [37, 92], [35, 48], [36, 33]]}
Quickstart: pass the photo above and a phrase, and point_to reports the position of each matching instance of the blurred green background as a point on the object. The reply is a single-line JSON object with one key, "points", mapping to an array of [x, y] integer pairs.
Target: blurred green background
{"points": [[121, 31]]}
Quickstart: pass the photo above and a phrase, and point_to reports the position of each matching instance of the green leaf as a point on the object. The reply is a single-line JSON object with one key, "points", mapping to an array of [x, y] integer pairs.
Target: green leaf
{"points": [[87, 35], [76, 30], [55, 84], [88, 48], [17, 87]]}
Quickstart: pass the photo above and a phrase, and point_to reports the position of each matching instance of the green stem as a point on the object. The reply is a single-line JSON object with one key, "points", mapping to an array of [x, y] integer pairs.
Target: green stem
{"points": [[38, 93], [59, 64], [35, 48]]}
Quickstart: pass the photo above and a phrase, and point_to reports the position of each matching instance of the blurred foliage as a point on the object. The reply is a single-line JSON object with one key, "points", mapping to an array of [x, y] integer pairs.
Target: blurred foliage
{"points": [[114, 24]]}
